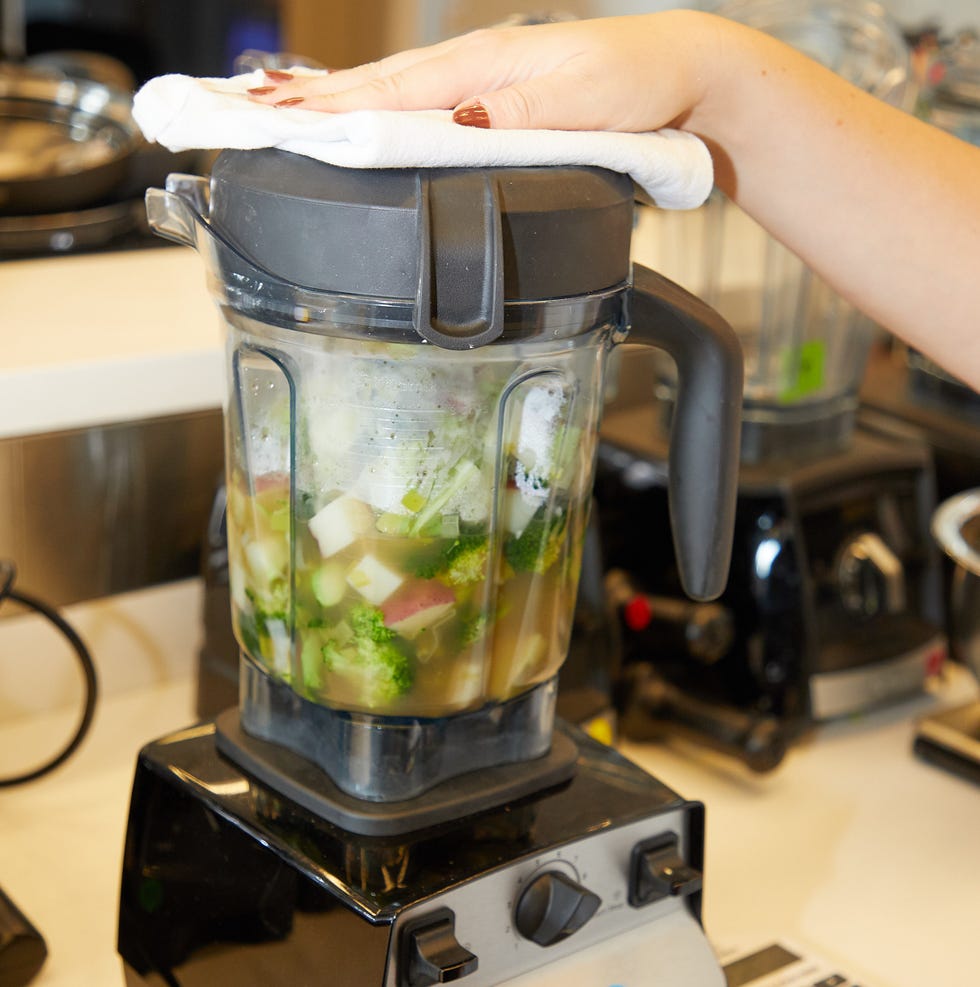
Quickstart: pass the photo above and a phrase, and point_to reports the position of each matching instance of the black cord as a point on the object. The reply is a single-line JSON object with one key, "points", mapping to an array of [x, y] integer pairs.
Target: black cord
{"points": [[8, 574]]}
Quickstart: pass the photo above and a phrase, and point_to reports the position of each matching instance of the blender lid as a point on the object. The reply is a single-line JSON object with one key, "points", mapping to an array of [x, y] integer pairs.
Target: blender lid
{"points": [[457, 242]]}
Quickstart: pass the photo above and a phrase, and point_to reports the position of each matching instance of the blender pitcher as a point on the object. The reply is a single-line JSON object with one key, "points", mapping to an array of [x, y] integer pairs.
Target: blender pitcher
{"points": [[415, 365]]}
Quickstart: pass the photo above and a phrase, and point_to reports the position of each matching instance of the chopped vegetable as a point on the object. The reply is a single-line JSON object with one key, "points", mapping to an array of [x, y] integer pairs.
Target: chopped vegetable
{"points": [[329, 583], [373, 580], [540, 544], [417, 606], [398, 528], [340, 523], [371, 662]]}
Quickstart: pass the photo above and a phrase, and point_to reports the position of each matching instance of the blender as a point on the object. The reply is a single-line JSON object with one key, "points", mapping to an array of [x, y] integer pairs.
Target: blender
{"points": [[833, 604], [416, 372]]}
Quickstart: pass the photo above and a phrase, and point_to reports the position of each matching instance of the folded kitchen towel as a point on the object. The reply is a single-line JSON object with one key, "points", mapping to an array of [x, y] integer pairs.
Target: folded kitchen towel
{"points": [[180, 112]]}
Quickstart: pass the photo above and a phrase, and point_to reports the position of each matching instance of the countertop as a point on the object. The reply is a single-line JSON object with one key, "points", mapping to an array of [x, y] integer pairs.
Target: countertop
{"points": [[93, 339], [852, 849]]}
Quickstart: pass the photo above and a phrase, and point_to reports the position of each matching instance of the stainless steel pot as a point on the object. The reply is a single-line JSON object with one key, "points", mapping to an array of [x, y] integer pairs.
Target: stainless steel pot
{"points": [[956, 527], [64, 143]]}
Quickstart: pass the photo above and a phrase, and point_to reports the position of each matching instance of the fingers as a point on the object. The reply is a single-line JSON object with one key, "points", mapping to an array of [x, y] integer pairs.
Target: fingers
{"points": [[421, 78], [438, 77], [613, 74]]}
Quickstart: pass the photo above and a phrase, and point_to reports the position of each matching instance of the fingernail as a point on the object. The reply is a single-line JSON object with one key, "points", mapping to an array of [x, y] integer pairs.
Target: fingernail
{"points": [[277, 75], [262, 90], [474, 115], [292, 101]]}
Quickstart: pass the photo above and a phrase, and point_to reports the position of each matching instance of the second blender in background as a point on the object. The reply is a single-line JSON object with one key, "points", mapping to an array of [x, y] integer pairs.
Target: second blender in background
{"points": [[834, 600]]}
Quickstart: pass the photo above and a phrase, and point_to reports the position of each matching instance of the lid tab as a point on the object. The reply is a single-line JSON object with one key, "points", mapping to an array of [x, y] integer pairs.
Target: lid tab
{"points": [[460, 299]]}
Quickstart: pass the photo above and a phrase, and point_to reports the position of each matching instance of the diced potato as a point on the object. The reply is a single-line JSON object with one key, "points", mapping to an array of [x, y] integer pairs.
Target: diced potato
{"points": [[374, 581], [340, 523], [267, 559]]}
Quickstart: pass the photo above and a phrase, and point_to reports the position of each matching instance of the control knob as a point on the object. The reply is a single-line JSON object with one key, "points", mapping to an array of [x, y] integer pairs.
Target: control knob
{"points": [[552, 907]]}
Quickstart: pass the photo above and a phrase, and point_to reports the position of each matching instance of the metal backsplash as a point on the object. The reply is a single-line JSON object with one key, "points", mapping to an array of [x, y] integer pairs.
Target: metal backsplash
{"points": [[96, 511]]}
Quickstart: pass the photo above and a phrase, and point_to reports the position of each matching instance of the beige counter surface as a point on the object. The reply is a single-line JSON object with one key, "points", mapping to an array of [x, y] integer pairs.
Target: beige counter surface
{"points": [[100, 338], [852, 849]]}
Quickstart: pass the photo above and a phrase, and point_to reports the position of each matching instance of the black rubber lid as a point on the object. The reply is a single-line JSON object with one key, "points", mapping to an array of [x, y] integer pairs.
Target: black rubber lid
{"points": [[457, 242]]}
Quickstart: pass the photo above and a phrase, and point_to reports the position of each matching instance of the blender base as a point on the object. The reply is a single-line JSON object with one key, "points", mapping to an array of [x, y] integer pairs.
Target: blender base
{"points": [[228, 881], [465, 795]]}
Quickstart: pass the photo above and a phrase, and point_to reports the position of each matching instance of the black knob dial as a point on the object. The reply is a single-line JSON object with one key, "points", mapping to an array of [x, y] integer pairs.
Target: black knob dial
{"points": [[552, 907]]}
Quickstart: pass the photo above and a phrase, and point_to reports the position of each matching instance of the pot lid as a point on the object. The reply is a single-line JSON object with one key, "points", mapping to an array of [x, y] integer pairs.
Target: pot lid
{"points": [[458, 242]]}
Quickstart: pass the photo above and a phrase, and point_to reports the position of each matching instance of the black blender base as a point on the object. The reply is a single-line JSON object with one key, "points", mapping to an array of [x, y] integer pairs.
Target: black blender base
{"points": [[305, 784], [228, 881]]}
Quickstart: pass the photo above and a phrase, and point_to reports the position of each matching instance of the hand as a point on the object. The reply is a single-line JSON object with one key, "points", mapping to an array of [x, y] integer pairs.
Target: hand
{"points": [[617, 73]]}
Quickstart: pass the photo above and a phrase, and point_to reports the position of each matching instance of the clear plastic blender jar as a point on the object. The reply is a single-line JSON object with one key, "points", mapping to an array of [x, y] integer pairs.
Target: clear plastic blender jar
{"points": [[415, 368]]}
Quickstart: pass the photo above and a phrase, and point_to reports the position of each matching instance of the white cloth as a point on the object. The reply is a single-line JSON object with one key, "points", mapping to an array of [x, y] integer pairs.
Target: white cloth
{"points": [[180, 112]]}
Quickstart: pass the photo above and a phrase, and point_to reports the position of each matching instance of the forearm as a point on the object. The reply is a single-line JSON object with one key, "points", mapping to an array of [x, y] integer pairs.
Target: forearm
{"points": [[884, 207]]}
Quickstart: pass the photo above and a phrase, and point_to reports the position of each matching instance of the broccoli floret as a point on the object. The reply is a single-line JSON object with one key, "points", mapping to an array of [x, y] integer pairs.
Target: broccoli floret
{"points": [[458, 562], [472, 627], [539, 544], [368, 623], [370, 661], [466, 560]]}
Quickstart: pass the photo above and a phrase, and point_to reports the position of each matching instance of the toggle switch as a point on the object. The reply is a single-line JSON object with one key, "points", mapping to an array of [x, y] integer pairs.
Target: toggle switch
{"points": [[430, 953], [658, 871]]}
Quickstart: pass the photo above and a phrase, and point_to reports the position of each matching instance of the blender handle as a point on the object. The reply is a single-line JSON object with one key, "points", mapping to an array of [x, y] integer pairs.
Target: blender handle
{"points": [[706, 426]]}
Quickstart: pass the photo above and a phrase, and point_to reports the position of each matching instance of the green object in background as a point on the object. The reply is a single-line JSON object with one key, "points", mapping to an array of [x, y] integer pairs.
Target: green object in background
{"points": [[803, 370]]}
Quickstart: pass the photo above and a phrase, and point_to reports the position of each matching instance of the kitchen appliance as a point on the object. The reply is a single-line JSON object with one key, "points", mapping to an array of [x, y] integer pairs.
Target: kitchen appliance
{"points": [[415, 365], [956, 526], [903, 392], [951, 738], [833, 603]]}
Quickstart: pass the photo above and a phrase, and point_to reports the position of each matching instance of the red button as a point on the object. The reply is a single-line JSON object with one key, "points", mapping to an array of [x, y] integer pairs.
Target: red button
{"points": [[637, 613], [935, 660]]}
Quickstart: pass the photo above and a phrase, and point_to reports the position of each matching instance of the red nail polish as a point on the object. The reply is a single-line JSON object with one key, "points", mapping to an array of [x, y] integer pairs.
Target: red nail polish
{"points": [[474, 115], [277, 75], [261, 90], [292, 101]]}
